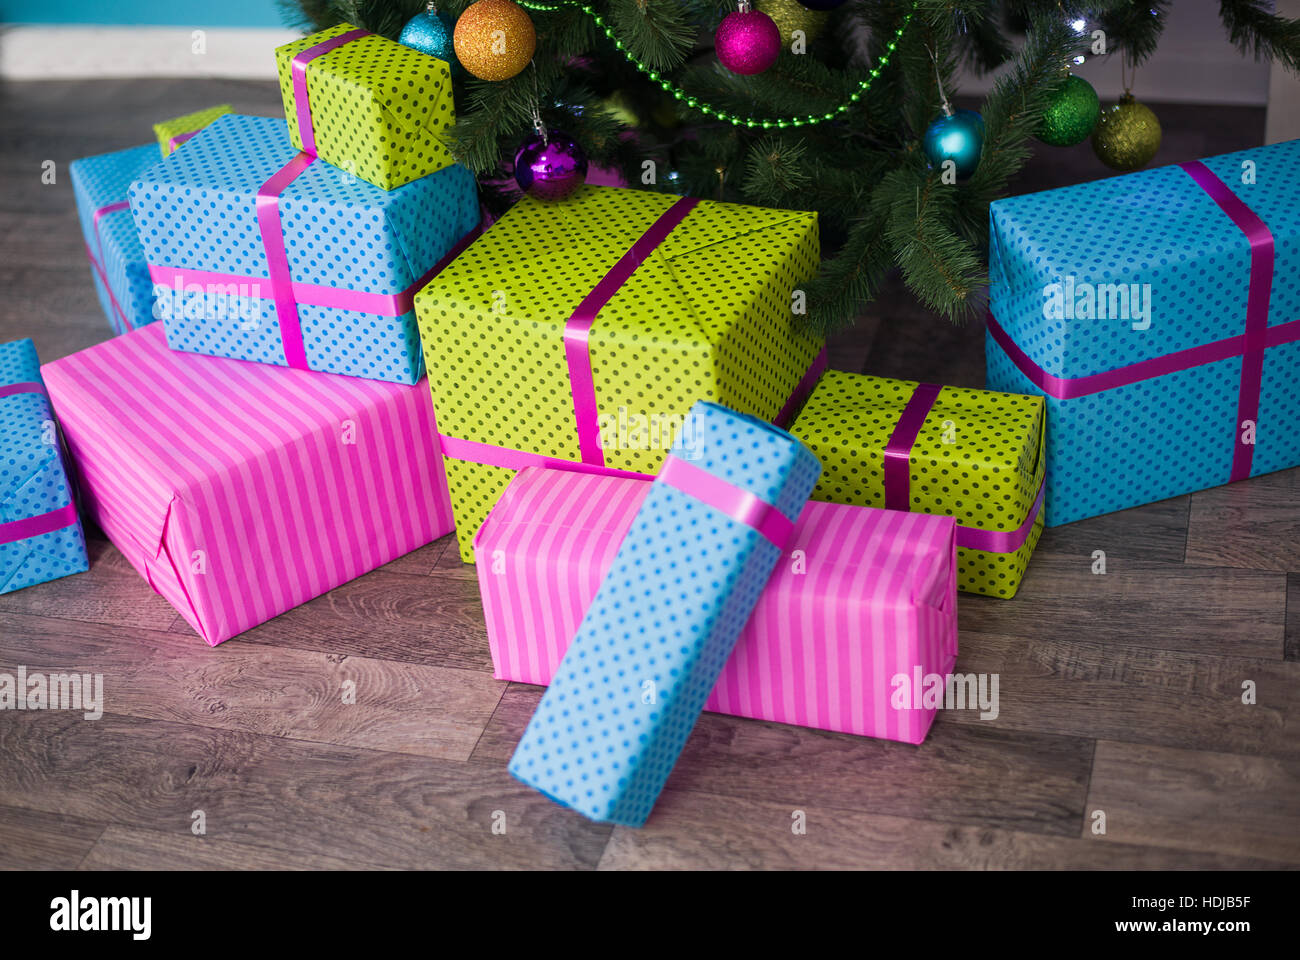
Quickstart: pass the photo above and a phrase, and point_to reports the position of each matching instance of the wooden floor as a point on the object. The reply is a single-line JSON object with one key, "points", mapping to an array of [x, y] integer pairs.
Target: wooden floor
{"points": [[1120, 693]]}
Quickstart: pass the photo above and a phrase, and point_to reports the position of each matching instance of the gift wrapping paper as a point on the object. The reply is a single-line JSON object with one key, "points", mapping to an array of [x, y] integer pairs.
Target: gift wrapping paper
{"points": [[859, 598], [366, 104], [1159, 316], [172, 133], [260, 252], [651, 646], [580, 332], [241, 490], [40, 533], [117, 264], [973, 455]]}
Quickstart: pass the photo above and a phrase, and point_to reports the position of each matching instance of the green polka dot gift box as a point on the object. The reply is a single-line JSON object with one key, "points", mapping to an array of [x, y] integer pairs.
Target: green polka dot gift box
{"points": [[367, 104], [172, 133], [578, 333], [973, 455]]}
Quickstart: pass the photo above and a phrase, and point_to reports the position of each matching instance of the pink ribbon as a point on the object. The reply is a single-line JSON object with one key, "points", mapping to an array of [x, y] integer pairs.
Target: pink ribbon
{"points": [[16, 530], [898, 451], [1001, 541], [277, 261], [28, 386], [96, 258], [741, 505], [301, 104], [1250, 345], [510, 459], [802, 389], [180, 138], [577, 331]]}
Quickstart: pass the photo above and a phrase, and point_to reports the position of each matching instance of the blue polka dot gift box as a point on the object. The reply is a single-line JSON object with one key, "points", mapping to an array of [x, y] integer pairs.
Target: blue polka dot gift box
{"points": [[1159, 315], [260, 252], [117, 265], [662, 625], [40, 533]]}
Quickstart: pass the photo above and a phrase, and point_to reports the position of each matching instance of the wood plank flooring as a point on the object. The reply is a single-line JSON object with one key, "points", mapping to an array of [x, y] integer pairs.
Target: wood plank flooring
{"points": [[1120, 693]]}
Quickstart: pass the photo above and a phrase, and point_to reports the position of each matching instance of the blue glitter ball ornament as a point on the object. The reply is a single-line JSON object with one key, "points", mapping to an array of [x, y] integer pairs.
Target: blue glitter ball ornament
{"points": [[957, 136], [430, 32]]}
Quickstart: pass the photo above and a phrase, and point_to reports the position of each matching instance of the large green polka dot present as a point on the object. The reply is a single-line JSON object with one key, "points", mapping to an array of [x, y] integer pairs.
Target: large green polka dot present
{"points": [[367, 105], [973, 455], [579, 333]]}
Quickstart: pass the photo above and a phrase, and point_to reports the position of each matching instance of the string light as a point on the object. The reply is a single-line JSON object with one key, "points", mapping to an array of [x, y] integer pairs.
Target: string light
{"points": [[708, 110]]}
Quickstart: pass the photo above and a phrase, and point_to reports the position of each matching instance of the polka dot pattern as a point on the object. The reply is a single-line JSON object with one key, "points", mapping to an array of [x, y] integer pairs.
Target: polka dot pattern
{"points": [[1157, 438], [166, 130], [706, 316], [378, 108], [978, 458], [629, 689], [98, 182], [32, 478], [197, 211]]}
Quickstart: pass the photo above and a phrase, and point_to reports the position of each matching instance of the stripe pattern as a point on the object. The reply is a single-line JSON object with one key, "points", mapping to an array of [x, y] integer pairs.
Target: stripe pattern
{"points": [[874, 597], [241, 490]]}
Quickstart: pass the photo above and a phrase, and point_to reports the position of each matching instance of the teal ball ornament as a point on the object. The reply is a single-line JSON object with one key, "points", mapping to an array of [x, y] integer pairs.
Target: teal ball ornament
{"points": [[956, 135], [431, 32]]}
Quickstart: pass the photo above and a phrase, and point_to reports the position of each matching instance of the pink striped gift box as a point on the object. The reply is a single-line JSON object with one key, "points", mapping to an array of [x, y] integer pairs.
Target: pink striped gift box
{"points": [[241, 490], [861, 597]]}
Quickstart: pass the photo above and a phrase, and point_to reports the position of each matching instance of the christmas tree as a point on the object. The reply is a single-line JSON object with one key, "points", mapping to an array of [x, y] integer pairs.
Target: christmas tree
{"points": [[838, 123]]}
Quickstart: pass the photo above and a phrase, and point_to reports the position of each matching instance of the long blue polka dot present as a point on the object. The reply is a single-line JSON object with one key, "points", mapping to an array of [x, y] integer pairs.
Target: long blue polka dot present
{"points": [[260, 252], [663, 623], [117, 265], [1159, 315], [40, 533]]}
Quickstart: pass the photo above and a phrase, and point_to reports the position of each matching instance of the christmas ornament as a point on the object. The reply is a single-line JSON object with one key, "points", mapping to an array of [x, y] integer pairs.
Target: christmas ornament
{"points": [[747, 41], [494, 39], [822, 4], [1127, 135], [956, 135], [430, 32], [550, 165], [791, 15], [1072, 115]]}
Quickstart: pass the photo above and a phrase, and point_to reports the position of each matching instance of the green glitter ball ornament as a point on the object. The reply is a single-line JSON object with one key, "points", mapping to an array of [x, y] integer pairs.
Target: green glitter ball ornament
{"points": [[1072, 114]]}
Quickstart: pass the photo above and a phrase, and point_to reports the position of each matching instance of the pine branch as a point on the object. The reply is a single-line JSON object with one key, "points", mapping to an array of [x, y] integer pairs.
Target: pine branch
{"points": [[1255, 30]]}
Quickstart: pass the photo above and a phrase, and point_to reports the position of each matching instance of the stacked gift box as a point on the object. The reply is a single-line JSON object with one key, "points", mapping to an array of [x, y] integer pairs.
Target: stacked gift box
{"points": [[672, 504]]}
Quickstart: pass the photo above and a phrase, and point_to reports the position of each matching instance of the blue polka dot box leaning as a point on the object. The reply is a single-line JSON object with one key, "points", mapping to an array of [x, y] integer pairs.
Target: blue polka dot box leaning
{"points": [[40, 534], [663, 623], [1159, 315], [260, 252], [117, 264]]}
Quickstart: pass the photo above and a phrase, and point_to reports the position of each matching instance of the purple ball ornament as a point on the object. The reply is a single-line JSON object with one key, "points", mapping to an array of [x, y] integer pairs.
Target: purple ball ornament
{"points": [[748, 41], [550, 165]]}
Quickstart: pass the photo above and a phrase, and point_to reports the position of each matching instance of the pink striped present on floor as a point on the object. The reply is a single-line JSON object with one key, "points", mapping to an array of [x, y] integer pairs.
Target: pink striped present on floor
{"points": [[861, 597], [241, 490]]}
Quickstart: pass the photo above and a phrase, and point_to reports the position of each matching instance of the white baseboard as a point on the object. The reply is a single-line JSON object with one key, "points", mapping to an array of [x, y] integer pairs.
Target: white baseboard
{"points": [[47, 52]]}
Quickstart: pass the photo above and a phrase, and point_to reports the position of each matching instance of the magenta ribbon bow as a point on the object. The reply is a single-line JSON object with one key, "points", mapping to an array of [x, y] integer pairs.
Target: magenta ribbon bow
{"points": [[1257, 335], [50, 521]]}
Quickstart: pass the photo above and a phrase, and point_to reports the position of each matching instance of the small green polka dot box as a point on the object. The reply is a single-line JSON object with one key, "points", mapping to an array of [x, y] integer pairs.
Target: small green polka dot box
{"points": [[40, 532], [973, 455], [580, 332], [260, 252], [1158, 314], [663, 624], [367, 104], [172, 133]]}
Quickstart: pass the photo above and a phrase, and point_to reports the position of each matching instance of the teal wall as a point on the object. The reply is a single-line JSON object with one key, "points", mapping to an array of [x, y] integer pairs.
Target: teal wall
{"points": [[215, 13]]}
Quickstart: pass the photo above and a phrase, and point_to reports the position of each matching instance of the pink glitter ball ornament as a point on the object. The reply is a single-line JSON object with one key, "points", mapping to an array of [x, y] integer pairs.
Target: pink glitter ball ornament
{"points": [[747, 41]]}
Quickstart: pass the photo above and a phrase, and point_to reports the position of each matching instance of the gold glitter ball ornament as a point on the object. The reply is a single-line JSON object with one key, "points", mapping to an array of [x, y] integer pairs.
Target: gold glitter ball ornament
{"points": [[791, 15], [1127, 135], [494, 39]]}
